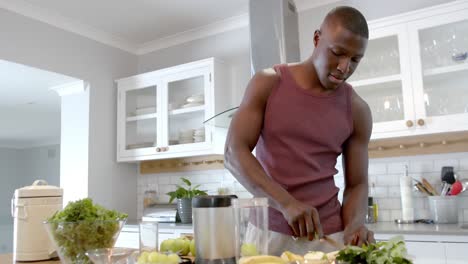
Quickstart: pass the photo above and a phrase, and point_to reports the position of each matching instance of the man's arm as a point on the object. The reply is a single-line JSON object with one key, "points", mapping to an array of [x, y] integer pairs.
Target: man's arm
{"points": [[355, 166], [242, 137]]}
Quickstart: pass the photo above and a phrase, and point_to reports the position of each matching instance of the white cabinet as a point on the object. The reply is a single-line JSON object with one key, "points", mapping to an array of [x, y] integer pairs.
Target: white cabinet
{"points": [[457, 253], [426, 252], [415, 72], [161, 113]]}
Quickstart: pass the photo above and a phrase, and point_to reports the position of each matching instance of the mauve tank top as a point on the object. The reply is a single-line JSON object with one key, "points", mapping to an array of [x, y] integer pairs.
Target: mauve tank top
{"points": [[301, 138]]}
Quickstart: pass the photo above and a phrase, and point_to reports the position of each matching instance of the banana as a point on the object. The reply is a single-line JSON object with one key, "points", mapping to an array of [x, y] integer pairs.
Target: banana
{"points": [[262, 259], [288, 256]]}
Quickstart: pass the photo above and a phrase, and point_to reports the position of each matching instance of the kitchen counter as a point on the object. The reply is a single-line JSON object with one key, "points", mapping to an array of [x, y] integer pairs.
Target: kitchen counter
{"points": [[8, 258], [421, 232]]}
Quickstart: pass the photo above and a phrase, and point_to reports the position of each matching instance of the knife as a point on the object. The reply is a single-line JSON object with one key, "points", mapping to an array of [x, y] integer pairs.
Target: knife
{"points": [[333, 242]]}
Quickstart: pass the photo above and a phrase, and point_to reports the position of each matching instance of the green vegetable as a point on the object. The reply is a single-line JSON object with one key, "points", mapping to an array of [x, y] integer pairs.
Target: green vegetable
{"points": [[384, 252], [82, 226]]}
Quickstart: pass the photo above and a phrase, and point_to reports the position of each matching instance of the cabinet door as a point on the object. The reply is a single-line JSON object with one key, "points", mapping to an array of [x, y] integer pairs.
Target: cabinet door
{"points": [[457, 253], [382, 79], [426, 252], [187, 101], [138, 119], [441, 71]]}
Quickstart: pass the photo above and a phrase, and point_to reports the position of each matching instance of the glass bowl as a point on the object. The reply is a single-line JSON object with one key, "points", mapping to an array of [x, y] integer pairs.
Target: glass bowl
{"points": [[109, 255], [71, 240]]}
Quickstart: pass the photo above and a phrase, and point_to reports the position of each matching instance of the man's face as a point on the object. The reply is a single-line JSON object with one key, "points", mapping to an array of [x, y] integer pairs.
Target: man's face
{"points": [[337, 54]]}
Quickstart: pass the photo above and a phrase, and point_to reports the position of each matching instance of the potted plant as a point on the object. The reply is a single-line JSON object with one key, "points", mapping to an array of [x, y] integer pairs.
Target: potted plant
{"points": [[184, 197]]}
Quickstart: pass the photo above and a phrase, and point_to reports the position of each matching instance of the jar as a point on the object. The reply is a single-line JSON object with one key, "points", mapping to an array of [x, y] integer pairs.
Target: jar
{"points": [[149, 198]]}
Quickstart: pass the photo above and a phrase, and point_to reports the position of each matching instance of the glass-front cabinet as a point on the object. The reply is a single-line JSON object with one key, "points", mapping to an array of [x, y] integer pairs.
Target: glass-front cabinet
{"points": [[414, 75], [161, 114], [441, 71], [382, 80]]}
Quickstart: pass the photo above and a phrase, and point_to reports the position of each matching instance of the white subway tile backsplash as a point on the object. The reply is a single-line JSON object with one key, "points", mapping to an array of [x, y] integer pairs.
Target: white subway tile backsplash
{"points": [[394, 192], [377, 168], [397, 167], [163, 179], [395, 214], [384, 175], [417, 166], [384, 215], [463, 164], [379, 192], [438, 164], [388, 179]]}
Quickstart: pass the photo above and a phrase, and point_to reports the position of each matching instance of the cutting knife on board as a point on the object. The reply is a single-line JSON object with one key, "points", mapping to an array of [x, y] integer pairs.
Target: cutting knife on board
{"points": [[332, 242]]}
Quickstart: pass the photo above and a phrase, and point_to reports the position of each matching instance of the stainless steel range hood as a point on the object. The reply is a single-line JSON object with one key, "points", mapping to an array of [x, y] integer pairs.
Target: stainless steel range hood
{"points": [[274, 39]]}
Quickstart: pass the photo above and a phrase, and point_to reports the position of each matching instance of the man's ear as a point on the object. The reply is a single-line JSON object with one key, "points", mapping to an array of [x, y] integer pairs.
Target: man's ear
{"points": [[316, 37]]}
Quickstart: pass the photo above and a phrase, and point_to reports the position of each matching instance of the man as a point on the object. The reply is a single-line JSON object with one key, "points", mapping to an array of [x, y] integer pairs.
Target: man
{"points": [[301, 117]]}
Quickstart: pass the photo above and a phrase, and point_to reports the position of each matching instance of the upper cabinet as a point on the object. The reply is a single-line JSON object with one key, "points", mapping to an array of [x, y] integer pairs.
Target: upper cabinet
{"points": [[161, 113], [414, 75]]}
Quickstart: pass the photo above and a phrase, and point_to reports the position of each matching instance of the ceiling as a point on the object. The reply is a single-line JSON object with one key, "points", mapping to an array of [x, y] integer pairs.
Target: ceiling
{"points": [[29, 111], [142, 26]]}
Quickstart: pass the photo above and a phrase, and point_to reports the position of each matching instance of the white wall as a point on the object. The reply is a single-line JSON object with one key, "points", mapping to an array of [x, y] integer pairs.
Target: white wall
{"points": [[11, 172], [36, 44], [40, 163], [231, 47]]}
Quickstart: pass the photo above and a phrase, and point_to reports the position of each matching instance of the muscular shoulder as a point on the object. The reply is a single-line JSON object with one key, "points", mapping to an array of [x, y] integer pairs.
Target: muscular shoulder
{"points": [[362, 116], [261, 85]]}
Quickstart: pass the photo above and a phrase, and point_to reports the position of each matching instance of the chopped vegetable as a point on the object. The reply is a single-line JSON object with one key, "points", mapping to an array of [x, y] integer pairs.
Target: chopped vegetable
{"points": [[82, 226], [384, 252]]}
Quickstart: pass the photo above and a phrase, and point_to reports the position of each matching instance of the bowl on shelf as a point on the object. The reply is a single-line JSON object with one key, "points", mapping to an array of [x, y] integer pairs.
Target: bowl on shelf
{"points": [[72, 240]]}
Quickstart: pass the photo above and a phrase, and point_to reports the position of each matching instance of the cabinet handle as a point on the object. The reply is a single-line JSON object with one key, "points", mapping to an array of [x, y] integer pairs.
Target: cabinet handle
{"points": [[158, 149], [421, 122], [409, 123]]}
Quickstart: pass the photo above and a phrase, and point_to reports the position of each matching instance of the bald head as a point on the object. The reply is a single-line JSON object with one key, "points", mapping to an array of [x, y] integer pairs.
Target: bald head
{"points": [[349, 18]]}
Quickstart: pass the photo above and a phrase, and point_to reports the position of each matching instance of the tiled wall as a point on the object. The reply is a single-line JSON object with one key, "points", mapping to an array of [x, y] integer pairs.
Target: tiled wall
{"points": [[383, 181]]}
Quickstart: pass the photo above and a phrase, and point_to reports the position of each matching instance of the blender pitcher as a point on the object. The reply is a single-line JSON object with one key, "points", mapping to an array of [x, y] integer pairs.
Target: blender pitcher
{"points": [[214, 229], [251, 221]]}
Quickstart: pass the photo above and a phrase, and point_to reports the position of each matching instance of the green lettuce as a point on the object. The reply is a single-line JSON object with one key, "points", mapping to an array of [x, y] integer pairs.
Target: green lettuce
{"points": [[82, 226], [384, 252]]}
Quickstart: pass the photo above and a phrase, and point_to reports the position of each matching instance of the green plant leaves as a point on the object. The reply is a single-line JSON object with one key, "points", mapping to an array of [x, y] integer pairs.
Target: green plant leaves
{"points": [[182, 192]]}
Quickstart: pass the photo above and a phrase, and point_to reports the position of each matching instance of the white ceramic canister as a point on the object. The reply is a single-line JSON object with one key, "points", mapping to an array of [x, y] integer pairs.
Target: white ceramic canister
{"points": [[30, 207]]}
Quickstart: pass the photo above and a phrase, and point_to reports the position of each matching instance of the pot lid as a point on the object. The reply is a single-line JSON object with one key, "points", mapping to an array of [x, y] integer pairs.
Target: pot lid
{"points": [[39, 188]]}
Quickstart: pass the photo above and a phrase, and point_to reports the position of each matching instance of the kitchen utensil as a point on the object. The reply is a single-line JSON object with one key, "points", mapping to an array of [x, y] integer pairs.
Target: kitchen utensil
{"points": [[429, 187], [444, 170], [449, 177], [421, 187], [445, 189], [459, 187], [334, 243], [30, 206]]}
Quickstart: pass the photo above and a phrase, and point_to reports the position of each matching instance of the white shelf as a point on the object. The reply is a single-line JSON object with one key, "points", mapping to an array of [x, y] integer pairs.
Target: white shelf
{"points": [[446, 69], [187, 110], [142, 117], [378, 80]]}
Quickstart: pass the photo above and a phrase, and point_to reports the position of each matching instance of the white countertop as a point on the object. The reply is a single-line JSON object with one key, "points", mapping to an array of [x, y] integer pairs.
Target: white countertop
{"points": [[421, 232], [382, 230], [133, 226]]}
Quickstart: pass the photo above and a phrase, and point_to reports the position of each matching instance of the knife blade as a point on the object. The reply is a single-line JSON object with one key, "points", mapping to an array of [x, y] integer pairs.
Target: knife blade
{"points": [[333, 242]]}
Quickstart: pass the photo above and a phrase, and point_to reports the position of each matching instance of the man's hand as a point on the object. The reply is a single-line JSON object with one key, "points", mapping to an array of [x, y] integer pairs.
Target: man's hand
{"points": [[303, 219], [358, 235]]}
